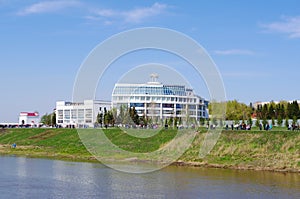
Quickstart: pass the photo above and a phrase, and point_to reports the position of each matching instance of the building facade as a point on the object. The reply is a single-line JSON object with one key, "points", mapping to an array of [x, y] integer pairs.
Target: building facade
{"points": [[29, 118], [160, 101], [82, 114]]}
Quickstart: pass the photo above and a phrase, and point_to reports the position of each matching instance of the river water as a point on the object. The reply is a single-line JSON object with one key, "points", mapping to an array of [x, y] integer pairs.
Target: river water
{"points": [[42, 178]]}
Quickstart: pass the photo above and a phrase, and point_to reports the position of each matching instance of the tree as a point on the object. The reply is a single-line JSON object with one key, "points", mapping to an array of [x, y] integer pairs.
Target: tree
{"points": [[111, 119], [257, 122], [250, 122], [237, 111], [271, 111], [134, 116], [294, 120], [53, 122], [170, 122], [100, 118], [279, 120], [49, 119], [264, 111], [264, 122], [175, 121], [180, 121], [202, 121], [273, 121], [293, 110], [287, 122]]}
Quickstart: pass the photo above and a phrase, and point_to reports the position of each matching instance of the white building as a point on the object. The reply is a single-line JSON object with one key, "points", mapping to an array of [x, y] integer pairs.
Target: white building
{"points": [[29, 118], [256, 104], [82, 114], [160, 101]]}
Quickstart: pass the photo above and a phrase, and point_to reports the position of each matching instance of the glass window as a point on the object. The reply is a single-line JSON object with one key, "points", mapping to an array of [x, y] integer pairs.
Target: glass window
{"points": [[60, 114], [67, 114], [74, 113], [80, 113], [88, 113]]}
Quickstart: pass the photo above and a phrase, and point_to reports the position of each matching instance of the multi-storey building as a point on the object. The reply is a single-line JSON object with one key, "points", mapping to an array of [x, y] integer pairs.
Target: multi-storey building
{"points": [[160, 101], [82, 114]]}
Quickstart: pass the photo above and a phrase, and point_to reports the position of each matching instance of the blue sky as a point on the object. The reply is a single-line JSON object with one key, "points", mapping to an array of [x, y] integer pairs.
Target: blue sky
{"points": [[255, 44]]}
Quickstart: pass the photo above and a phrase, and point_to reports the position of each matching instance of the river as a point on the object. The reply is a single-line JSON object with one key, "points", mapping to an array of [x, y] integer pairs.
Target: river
{"points": [[43, 178]]}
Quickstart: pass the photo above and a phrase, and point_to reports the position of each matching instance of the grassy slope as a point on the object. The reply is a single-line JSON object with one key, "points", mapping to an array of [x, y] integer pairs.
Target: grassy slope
{"points": [[272, 150]]}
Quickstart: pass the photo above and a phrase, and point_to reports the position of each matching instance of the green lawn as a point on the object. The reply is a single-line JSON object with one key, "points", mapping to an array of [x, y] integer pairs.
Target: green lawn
{"points": [[278, 148]]}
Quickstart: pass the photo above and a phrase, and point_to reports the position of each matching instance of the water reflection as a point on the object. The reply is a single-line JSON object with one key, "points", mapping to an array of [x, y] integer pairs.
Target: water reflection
{"points": [[40, 178]]}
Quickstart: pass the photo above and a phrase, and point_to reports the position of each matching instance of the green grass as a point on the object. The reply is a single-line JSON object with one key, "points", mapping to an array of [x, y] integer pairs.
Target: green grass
{"points": [[276, 149], [140, 145]]}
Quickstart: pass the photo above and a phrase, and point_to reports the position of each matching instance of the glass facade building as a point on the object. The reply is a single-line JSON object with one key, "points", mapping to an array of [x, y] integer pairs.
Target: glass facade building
{"points": [[157, 100]]}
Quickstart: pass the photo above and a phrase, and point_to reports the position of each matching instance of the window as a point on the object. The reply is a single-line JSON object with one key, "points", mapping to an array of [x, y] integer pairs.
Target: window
{"points": [[80, 113], [67, 114], [60, 114], [192, 106], [137, 105], [88, 113], [74, 113], [178, 106], [168, 105]]}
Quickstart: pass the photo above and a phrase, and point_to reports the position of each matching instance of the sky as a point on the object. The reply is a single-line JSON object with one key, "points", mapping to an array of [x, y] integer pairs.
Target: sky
{"points": [[254, 44]]}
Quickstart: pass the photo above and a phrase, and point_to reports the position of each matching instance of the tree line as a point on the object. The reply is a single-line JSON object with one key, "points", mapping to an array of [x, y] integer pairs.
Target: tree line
{"points": [[270, 111]]}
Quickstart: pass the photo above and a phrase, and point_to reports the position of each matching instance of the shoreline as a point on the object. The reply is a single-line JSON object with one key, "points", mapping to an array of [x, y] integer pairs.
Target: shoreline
{"points": [[8, 151]]}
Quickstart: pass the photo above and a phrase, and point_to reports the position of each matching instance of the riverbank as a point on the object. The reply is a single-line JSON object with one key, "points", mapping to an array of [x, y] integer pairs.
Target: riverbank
{"points": [[254, 150]]}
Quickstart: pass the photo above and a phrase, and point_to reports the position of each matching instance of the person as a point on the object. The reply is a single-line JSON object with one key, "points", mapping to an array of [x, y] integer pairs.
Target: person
{"points": [[267, 127], [260, 126], [232, 126]]}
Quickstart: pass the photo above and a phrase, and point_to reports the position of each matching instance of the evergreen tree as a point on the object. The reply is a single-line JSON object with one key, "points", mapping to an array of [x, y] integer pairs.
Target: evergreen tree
{"points": [[257, 122], [264, 111], [250, 122], [100, 118], [286, 122], [264, 122], [175, 121], [271, 111], [273, 121], [53, 122], [170, 122], [134, 116], [279, 120], [295, 120]]}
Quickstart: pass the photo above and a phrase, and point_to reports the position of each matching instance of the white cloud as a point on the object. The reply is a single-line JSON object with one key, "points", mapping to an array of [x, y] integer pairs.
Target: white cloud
{"points": [[136, 15], [48, 6], [288, 25], [234, 52], [139, 14]]}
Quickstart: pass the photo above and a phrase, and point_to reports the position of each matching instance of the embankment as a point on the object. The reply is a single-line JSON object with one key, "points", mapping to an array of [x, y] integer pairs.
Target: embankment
{"points": [[257, 150]]}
